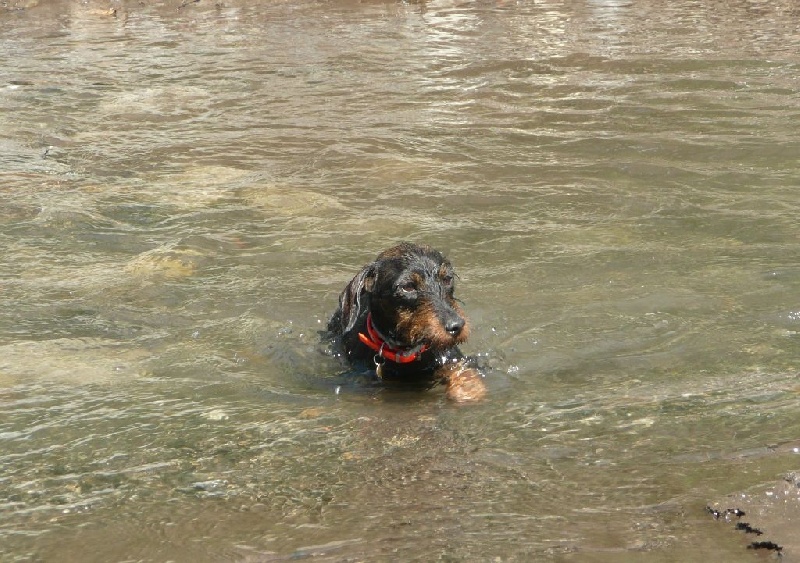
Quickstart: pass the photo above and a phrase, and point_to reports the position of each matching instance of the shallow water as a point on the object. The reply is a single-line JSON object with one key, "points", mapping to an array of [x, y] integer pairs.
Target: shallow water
{"points": [[187, 186]]}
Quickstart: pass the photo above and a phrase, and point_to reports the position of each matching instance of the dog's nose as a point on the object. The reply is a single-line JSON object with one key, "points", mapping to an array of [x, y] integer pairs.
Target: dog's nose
{"points": [[454, 326]]}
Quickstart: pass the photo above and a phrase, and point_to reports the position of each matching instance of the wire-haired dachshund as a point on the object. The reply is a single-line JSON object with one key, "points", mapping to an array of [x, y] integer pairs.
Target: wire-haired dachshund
{"points": [[398, 316]]}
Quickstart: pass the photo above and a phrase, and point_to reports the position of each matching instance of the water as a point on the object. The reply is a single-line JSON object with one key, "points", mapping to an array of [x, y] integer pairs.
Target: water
{"points": [[187, 187]]}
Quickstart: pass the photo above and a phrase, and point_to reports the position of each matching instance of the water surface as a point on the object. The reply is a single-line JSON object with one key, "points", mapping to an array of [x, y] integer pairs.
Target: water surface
{"points": [[187, 186]]}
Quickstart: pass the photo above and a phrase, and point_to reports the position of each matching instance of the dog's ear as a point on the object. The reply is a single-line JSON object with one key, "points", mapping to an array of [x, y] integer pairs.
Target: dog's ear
{"points": [[353, 298]]}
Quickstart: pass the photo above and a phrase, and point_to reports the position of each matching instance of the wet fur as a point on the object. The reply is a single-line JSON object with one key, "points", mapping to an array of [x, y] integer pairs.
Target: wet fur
{"points": [[409, 289]]}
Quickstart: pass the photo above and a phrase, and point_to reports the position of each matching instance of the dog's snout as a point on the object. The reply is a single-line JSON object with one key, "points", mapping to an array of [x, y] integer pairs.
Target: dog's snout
{"points": [[454, 326]]}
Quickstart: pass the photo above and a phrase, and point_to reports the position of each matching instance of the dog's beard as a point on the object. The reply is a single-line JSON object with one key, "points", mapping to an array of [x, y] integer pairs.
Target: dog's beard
{"points": [[423, 326]]}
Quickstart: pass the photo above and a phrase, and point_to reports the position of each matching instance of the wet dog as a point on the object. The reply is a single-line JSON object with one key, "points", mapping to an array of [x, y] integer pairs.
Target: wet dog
{"points": [[398, 315]]}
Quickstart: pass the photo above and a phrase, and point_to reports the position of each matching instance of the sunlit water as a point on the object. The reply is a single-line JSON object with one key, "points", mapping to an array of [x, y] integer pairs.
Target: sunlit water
{"points": [[186, 187]]}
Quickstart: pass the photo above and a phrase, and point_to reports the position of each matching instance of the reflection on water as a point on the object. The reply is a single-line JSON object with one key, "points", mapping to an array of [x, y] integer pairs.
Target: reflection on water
{"points": [[187, 187]]}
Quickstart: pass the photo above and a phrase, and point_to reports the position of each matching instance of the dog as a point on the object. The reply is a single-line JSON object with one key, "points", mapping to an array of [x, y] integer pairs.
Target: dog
{"points": [[399, 317]]}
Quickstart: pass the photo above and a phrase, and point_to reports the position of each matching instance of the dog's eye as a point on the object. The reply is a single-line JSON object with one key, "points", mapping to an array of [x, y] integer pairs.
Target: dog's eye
{"points": [[447, 280], [408, 287]]}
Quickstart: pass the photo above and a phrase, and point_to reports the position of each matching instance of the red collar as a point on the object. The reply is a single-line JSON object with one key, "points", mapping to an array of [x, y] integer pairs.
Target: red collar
{"points": [[377, 342]]}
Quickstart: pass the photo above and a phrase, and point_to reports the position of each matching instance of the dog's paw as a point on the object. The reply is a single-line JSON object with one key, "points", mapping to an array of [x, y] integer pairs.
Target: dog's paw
{"points": [[464, 384]]}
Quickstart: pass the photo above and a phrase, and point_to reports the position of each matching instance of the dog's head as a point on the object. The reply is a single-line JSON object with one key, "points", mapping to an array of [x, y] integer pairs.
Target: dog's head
{"points": [[409, 291]]}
